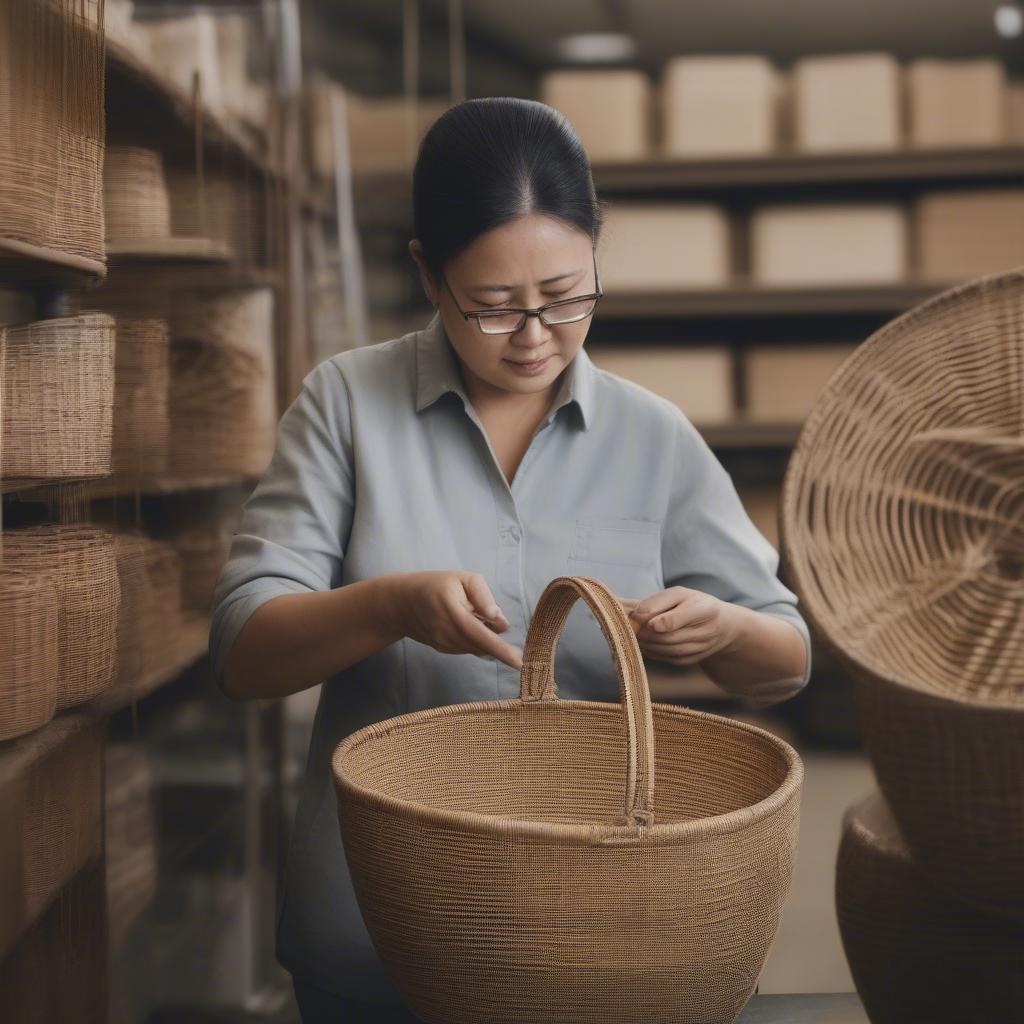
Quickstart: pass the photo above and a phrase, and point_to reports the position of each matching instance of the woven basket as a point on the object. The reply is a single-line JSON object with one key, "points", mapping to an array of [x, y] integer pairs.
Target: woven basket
{"points": [[141, 438], [916, 954], [223, 408], [903, 533], [82, 562], [52, 126], [28, 652], [135, 197], [130, 827], [57, 395], [204, 549], [222, 206], [161, 606], [562, 861]]}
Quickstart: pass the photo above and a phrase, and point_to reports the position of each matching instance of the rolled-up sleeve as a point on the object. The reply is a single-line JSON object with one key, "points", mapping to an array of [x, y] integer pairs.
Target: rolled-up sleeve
{"points": [[295, 525], [710, 544]]}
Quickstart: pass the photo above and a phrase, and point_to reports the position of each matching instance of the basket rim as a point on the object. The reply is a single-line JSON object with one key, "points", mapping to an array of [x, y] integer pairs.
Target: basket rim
{"points": [[797, 466], [582, 834]]}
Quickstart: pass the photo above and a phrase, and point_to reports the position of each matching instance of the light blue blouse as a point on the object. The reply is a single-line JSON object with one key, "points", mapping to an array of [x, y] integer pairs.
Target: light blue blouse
{"points": [[382, 466]]}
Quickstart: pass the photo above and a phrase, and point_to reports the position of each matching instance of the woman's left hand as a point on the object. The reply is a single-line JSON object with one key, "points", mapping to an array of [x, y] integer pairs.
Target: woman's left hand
{"points": [[681, 626]]}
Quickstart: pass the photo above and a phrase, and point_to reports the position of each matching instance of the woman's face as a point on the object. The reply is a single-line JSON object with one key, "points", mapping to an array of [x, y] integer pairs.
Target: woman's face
{"points": [[524, 263]]}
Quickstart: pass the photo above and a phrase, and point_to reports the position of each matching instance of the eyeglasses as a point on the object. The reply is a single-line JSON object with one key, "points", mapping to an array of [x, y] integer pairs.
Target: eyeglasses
{"points": [[552, 314]]}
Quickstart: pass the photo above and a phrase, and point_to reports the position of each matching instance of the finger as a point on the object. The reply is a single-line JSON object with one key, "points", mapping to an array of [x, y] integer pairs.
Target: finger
{"points": [[678, 647], [480, 640], [481, 599], [660, 602]]}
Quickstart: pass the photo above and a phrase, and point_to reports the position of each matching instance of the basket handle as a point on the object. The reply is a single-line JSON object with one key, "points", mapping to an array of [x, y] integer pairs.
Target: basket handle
{"points": [[538, 676]]}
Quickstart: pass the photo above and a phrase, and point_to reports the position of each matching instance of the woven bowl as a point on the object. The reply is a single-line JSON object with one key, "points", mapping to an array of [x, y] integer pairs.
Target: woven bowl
{"points": [[28, 651], [562, 861], [135, 197], [57, 398], [903, 533], [915, 953], [82, 562]]}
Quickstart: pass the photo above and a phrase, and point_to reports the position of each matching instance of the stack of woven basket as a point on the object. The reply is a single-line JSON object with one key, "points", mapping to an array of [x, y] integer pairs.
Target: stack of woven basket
{"points": [[903, 531]]}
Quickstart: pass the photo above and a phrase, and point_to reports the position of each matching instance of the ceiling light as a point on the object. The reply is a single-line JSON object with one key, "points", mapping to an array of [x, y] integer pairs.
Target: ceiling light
{"points": [[1009, 19], [597, 47]]}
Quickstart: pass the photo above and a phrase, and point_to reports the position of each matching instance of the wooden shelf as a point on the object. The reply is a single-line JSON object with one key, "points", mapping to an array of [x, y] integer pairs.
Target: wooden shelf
{"points": [[792, 169], [110, 487], [138, 95], [747, 434], [752, 300], [31, 266]]}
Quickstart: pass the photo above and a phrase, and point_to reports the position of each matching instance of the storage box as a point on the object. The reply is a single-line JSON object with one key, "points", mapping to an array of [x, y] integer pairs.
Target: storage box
{"points": [[839, 244], [380, 141], [698, 380], [719, 106], [610, 110], [783, 381], [664, 246], [1015, 113], [961, 235], [957, 102], [847, 103]]}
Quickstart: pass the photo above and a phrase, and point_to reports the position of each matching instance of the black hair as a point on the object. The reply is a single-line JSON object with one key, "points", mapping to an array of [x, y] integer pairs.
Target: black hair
{"points": [[485, 162]]}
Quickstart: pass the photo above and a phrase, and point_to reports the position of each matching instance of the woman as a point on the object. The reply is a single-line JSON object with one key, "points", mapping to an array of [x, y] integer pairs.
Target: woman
{"points": [[425, 490]]}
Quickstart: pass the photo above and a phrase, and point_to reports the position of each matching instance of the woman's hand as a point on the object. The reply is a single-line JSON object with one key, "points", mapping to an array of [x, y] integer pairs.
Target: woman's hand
{"points": [[453, 612], [681, 626]]}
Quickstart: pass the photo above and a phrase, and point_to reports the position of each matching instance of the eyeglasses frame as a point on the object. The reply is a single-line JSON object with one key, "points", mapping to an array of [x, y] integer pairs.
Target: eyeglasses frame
{"points": [[488, 314]]}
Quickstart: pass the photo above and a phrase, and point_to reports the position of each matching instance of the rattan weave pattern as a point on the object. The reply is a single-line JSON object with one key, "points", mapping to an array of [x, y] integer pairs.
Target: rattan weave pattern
{"points": [[204, 548], [903, 533], [915, 953], [82, 562], [570, 861], [57, 395], [28, 651], [135, 195], [52, 126]]}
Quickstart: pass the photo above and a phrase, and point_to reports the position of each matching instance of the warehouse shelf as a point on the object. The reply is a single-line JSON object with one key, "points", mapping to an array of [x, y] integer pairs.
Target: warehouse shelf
{"points": [[171, 250], [756, 300], [111, 487], [789, 169], [34, 266], [138, 95]]}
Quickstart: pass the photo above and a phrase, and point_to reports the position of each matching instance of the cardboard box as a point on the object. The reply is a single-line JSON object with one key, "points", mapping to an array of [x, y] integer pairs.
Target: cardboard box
{"points": [[962, 235], [610, 110], [719, 106], [838, 244], [698, 380], [664, 247], [784, 381], [957, 103], [847, 103], [1015, 113]]}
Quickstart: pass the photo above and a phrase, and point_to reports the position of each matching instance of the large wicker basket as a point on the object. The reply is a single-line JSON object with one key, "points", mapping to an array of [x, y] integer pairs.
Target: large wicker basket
{"points": [[549, 860], [915, 953], [903, 532]]}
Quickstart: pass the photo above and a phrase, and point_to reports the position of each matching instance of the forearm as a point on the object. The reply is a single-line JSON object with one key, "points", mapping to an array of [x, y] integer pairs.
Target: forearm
{"points": [[765, 663], [298, 640]]}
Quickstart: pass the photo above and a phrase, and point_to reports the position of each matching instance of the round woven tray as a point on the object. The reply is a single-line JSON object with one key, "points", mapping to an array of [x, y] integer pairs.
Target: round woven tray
{"points": [[57, 395], [903, 533], [82, 562], [552, 860], [28, 651], [915, 953]]}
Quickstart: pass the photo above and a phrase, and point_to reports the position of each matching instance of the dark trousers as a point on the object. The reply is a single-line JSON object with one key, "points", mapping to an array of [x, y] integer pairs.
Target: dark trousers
{"points": [[317, 1006]]}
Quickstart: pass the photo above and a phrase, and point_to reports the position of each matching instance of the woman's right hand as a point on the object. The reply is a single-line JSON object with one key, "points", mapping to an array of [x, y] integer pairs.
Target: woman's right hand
{"points": [[453, 612]]}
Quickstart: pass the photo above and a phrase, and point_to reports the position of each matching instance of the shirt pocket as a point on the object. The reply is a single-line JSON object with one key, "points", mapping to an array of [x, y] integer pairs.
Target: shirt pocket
{"points": [[610, 540]]}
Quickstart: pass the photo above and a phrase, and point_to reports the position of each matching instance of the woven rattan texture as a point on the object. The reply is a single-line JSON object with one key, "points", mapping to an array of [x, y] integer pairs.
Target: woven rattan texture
{"points": [[135, 196], [28, 651], [222, 206], [82, 562], [57, 395], [222, 397], [570, 861], [141, 438], [903, 532], [204, 549], [130, 826], [915, 953], [52, 126], [903, 508]]}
